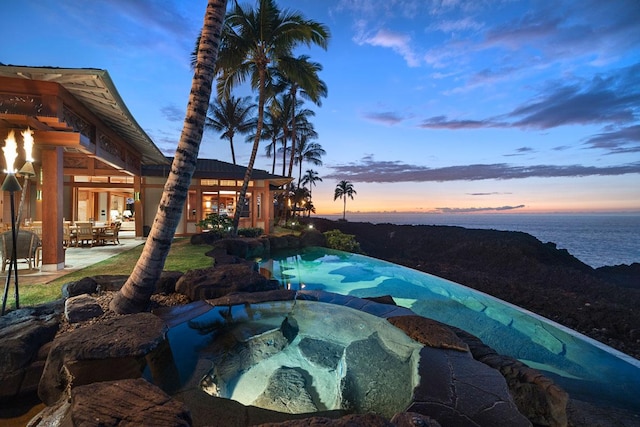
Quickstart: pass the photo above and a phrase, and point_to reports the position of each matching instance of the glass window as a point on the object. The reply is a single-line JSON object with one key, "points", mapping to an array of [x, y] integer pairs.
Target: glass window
{"points": [[209, 182], [192, 206]]}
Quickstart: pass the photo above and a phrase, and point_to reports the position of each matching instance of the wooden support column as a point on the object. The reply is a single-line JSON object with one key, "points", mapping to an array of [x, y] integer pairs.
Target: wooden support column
{"points": [[52, 187]]}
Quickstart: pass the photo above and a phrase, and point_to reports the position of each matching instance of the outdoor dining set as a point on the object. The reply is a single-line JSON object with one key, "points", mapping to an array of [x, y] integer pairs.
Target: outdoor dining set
{"points": [[78, 234]]}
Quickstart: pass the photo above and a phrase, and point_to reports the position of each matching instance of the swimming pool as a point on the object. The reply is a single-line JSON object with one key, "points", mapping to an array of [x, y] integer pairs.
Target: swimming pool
{"points": [[586, 369]]}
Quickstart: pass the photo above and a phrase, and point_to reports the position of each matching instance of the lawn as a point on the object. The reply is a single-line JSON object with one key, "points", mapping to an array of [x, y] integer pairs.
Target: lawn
{"points": [[183, 256]]}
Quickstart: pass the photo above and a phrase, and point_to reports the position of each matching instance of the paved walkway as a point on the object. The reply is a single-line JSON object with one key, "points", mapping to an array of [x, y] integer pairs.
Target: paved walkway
{"points": [[75, 259]]}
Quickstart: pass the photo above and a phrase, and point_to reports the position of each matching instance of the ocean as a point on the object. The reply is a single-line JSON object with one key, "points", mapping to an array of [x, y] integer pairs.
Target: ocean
{"points": [[595, 239]]}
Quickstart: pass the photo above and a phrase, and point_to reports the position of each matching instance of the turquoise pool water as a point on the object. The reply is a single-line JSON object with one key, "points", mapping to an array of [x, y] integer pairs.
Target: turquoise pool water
{"points": [[585, 368]]}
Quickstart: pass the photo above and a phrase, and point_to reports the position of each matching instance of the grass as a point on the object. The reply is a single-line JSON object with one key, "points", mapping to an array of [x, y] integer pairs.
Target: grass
{"points": [[183, 256]]}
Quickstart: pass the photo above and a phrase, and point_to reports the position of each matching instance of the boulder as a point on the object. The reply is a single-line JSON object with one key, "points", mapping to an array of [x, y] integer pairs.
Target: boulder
{"points": [[23, 334], [536, 396], [167, 283], [86, 285], [244, 247], [81, 308], [133, 402], [376, 379], [312, 237], [413, 419], [287, 391], [111, 349], [429, 332], [288, 241], [455, 389], [352, 420], [215, 282], [110, 282]]}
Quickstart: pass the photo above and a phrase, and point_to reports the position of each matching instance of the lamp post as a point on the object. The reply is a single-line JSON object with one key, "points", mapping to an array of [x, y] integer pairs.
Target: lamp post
{"points": [[12, 185]]}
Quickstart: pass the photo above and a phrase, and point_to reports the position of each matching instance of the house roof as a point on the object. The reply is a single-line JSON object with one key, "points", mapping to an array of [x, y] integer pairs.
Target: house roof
{"points": [[216, 169], [95, 89]]}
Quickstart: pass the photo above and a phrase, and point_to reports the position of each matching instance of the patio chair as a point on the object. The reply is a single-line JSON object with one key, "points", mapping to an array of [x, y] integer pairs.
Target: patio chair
{"points": [[84, 233], [110, 234], [67, 235], [26, 245]]}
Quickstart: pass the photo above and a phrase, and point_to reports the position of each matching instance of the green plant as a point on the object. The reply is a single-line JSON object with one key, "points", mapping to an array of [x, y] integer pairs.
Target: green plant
{"points": [[251, 232], [336, 239], [219, 223]]}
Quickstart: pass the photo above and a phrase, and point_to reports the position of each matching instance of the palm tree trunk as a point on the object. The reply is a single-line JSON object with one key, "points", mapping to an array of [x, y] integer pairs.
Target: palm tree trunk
{"points": [[254, 152], [273, 168], [344, 208], [233, 153], [293, 132], [136, 292]]}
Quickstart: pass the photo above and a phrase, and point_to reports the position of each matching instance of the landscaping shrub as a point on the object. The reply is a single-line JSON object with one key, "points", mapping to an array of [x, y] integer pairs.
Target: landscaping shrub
{"points": [[336, 239], [250, 232]]}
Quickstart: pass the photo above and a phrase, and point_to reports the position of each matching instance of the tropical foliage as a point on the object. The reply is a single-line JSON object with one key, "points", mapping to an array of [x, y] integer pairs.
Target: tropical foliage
{"points": [[336, 239], [231, 115], [258, 44]]}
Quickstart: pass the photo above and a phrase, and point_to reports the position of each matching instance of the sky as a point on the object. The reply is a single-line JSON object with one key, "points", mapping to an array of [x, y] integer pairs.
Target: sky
{"points": [[435, 106]]}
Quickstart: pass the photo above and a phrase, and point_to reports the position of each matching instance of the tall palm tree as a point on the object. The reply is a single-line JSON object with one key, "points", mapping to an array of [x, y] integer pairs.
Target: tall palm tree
{"points": [[310, 152], [136, 292], [253, 41], [302, 77], [343, 190], [231, 115], [310, 177]]}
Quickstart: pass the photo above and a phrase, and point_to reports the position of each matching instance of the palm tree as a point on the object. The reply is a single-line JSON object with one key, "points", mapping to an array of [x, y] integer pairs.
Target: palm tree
{"points": [[310, 152], [272, 131], [302, 74], [253, 41], [136, 292], [343, 190], [310, 177], [231, 115]]}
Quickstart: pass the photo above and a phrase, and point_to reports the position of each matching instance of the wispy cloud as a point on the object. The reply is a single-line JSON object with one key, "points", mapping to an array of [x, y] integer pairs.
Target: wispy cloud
{"points": [[494, 193], [371, 170], [469, 210], [612, 100], [399, 43], [387, 118], [172, 113], [623, 140]]}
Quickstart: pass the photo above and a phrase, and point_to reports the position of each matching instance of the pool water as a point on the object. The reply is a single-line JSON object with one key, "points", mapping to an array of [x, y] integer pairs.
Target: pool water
{"points": [[586, 369]]}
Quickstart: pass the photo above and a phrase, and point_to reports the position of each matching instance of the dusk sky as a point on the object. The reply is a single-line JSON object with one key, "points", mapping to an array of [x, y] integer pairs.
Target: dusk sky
{"points": [[433, 106]]}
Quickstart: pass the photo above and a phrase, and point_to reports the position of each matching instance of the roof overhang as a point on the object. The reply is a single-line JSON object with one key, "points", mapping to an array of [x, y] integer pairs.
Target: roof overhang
{"points": [[96, 91]]}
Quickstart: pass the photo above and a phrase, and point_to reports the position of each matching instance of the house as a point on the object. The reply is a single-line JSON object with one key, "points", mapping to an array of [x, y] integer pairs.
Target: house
{"points": [[93, 161]]}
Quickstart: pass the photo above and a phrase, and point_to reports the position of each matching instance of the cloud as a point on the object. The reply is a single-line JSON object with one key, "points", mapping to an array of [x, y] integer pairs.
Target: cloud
{"points": [[468, 210], [442, 122], [608, 99], [521, 151], [387, 118], [623, 140], [612, 98], [172, 113], [370, 170], [399, 43], [487, 194]]}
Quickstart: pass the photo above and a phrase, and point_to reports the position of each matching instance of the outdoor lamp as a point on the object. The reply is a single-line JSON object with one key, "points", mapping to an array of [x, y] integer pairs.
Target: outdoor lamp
{"points": [[11, 185], [27, 169]]}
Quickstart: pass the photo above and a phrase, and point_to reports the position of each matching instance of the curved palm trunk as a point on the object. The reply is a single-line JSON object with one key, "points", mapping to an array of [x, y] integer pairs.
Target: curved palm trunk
{"points": [[136, 292], [254, 152]]}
